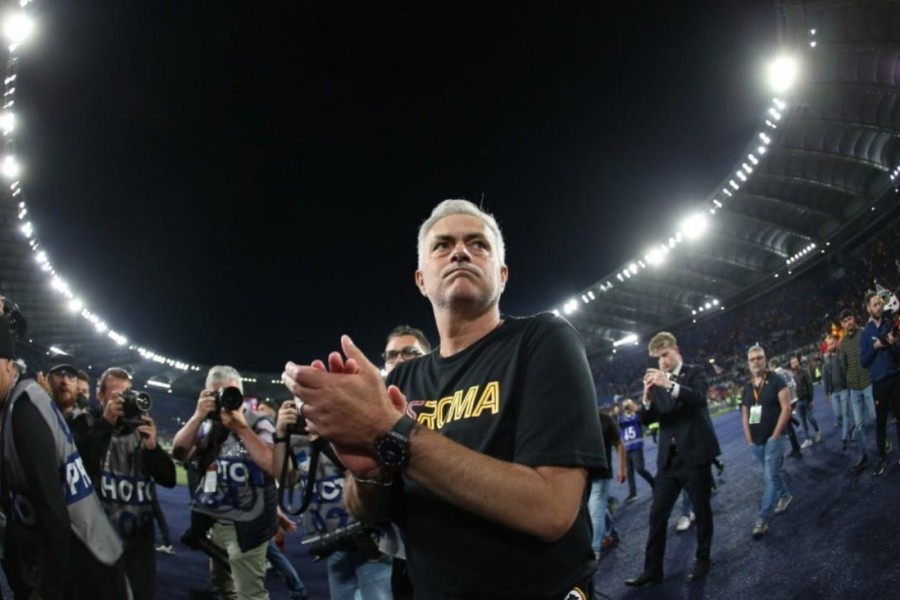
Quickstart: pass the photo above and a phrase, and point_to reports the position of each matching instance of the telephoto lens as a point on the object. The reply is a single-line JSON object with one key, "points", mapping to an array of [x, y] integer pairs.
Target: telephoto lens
{"points": [[229, 398]]}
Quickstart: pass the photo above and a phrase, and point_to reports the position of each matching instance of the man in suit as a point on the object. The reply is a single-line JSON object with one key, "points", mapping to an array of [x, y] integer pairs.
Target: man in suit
{"points": [[675, 395]]}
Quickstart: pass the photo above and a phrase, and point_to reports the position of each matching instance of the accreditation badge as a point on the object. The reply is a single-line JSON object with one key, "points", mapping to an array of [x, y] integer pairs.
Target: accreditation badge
{"points": [[755, 414]]}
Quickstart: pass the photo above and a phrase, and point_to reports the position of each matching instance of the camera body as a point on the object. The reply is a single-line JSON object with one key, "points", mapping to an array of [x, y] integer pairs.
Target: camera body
{"points": [[227, 398], [135, 406]]}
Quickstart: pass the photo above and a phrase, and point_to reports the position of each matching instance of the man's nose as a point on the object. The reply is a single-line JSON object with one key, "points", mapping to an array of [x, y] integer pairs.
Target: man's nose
{"points": [[460, 252]]}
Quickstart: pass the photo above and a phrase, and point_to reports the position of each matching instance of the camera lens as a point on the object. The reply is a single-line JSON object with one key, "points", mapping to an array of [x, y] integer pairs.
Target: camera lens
{"points": [[230, 398], [143, 402]]}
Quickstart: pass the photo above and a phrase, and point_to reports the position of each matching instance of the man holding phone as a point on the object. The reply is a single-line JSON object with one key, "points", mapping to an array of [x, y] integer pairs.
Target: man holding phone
{"points": [[675, 395]]}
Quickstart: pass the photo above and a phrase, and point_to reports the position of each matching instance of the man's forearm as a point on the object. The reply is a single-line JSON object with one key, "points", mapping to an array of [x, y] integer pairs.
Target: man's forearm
{"points": [[259, 451], [370, 503], [184, 441], [540, 501]]}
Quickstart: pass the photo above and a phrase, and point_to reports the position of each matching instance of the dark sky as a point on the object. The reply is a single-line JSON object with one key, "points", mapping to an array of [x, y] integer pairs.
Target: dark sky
{"points": [[243, 182]]}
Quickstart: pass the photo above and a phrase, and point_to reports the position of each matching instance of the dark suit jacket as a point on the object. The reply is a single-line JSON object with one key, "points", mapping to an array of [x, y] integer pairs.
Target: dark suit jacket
{"points": [[686, 419]]}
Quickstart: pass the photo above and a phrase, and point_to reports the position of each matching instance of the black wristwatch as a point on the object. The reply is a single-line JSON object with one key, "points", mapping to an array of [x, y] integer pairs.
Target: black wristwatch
{"points": [[392, 449]]}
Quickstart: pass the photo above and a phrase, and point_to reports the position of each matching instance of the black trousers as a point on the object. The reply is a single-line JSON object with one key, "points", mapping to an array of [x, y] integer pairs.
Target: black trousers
{"points": [[886, 393], [697, 480], [140, 567]]}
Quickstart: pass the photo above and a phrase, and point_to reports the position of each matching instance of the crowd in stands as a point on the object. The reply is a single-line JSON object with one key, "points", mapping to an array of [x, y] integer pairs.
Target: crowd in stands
{"points": [[792, 319]]}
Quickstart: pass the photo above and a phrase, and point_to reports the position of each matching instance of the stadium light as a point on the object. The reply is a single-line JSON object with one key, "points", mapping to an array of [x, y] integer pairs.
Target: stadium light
{"points": [[17, 28], [694, 226], [783, 73]]}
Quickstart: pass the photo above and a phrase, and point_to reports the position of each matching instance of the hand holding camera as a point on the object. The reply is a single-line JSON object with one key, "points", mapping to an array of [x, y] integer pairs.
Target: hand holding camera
{"points": [[211, 403], [289, 421], [148, 433]]}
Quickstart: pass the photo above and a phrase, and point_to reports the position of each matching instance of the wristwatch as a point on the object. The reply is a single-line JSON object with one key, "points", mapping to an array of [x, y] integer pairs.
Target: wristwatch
{"points": [[392, 449]]}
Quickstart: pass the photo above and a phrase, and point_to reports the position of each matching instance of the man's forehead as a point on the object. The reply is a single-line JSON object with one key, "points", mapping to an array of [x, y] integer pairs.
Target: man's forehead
{"points": [[458, 225], [402, 341]]}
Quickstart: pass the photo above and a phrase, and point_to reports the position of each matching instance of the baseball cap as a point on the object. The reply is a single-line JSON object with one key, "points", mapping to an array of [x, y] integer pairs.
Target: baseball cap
{"points": [[63, 363]]}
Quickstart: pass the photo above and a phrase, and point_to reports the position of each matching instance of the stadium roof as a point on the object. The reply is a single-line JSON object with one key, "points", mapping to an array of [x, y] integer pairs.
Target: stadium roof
{"points": [[819, 174]]}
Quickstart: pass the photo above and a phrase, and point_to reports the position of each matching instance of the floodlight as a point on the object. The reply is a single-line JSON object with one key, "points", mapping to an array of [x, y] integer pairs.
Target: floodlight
{"points": [[694, 226], [783, 73], [654, 257], [7, 122], [10, 167], [631, 337], [17, 27]]}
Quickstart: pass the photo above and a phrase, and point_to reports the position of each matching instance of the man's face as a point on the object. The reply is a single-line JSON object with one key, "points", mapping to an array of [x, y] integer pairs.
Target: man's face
{"points": [[115, 387], [63, 384], [84, 388], [849, 324], [399, 349], [757, 361], [460, 267], [795, 364], [875, 306], [669, 358], [7, 375]]}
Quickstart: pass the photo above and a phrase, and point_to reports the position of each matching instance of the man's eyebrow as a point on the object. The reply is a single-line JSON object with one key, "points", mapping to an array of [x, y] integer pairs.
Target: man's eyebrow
{"points": [[444, 237]]}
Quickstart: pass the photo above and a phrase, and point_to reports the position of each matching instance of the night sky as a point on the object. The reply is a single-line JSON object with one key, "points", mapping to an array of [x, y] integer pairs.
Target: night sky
{"points": [[243, 182]]}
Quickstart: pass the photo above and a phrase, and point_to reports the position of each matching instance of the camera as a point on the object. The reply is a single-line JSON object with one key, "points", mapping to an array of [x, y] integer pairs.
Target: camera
{"points": [[355, 537], [135, 405], [18, 326], [227, 398]]}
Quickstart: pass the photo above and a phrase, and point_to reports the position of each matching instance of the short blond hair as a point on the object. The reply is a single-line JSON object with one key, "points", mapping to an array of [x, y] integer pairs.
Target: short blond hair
{"points": [[660, 341]]}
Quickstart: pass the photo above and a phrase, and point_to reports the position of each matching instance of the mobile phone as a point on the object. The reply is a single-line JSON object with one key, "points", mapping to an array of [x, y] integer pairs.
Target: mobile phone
{"points": [[652, 362]]}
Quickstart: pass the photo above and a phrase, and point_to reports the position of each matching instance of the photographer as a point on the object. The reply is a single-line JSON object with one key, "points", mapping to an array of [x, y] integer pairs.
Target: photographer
{"points": [[123, 459], [236, 489], [67, 548], [355, 566]]}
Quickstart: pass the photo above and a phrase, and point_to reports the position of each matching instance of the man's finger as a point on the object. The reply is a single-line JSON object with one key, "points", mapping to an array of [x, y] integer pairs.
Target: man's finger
{"points": [[352, 351], [397, 398]]}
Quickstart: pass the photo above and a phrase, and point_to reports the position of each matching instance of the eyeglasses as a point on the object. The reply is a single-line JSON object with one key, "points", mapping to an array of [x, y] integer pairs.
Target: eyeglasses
{"points": [[757, 358], [391, 356], [65, 374]]}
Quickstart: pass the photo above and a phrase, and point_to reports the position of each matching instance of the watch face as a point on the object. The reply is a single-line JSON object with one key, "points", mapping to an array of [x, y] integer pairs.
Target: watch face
{"points": [[392, 452]]}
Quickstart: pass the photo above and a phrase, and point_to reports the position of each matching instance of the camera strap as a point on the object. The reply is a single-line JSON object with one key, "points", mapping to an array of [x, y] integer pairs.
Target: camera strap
{"points": [[317, 447]]}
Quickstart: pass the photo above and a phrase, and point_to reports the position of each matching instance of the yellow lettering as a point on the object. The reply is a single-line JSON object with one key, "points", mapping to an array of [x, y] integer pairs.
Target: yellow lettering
{"points": [[490, 399], [444, 411], [462, 407]]}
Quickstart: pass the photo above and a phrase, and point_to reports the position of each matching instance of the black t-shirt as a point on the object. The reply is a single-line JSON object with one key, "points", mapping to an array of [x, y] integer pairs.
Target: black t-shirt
{"points": [[521, 394], [771, 408]]}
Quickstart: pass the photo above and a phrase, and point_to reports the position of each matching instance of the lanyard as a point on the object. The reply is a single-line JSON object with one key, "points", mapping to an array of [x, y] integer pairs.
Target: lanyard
{"points": [[757, 390]]}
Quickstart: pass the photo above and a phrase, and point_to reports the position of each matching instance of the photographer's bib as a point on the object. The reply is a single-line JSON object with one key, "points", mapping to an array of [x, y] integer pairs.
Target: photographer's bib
{"points": [[231, 488], [125, 492]]}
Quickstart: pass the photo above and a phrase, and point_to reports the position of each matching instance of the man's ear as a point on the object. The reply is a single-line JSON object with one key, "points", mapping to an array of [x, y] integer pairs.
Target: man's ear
{"points": [[420, 283]]}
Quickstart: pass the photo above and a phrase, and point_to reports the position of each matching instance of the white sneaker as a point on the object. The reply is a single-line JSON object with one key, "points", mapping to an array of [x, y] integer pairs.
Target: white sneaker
{"points": [[806, 443], [684, 523], [164, 549]]}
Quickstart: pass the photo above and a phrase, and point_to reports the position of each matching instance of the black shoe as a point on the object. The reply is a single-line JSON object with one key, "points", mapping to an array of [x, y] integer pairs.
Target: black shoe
{"points": [[700, 570], [861, 464], [879, 468], [795, 454], [645, 580], [720, 467]]}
